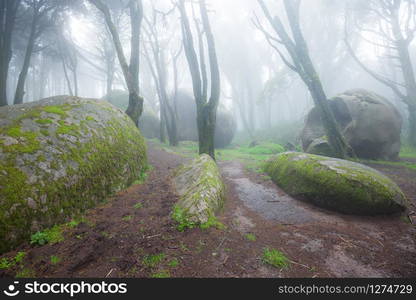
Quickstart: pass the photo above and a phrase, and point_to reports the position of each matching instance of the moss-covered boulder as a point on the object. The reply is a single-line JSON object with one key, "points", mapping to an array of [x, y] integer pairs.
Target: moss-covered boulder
{"points": [[336, 184], [201, 192], [60, 156], [370, 124]]}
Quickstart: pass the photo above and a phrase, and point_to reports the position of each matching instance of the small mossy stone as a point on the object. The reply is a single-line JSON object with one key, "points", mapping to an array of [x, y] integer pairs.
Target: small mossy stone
{"points": [[201, 191], [336, 184], [60, 156]]}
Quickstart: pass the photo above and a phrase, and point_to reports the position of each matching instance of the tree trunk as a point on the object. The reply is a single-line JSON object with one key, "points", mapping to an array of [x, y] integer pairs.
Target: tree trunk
{"points": [[162, 129], [409, 78], [68, 81], [412, 126], [110, 75], [130, 73], [74, 72], [206, 110], [8, 11], [206, 120], [20, 88], [209, 111], [302, 64]]}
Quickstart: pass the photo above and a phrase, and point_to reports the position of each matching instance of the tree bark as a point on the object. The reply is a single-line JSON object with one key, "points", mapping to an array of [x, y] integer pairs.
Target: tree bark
{"points": [[8, 11], [302, 64], [412, 126], [130, 73], [20, 88], [402, 46]]}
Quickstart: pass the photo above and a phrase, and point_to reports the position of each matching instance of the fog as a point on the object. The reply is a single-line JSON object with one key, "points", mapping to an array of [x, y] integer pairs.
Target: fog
{"points": [[73, 53]]}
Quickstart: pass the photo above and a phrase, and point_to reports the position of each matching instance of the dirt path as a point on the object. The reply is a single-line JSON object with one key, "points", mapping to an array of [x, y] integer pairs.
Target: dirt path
{"points": [[125, 239]]}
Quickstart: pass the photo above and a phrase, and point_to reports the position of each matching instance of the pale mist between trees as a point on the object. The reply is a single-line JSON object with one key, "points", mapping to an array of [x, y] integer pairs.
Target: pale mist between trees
{"points": [[259, 66]]}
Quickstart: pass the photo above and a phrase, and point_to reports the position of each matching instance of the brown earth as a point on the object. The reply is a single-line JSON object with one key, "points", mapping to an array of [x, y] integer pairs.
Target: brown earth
{"points": [[116, 237]]}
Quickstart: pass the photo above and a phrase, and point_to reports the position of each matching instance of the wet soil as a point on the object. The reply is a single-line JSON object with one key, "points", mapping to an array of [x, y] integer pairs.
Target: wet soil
{"points": [[118, 238]]}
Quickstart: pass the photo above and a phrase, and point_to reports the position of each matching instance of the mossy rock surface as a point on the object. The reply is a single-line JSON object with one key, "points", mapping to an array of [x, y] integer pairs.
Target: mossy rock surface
{"points": [[60, 156], [200, 188], [336, 184]]}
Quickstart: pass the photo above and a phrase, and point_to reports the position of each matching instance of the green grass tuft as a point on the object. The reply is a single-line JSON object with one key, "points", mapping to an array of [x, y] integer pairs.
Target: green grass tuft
{"points": [[127, 218], [138, 205], [161, 274], [55, 259], [275, 258], [152, 261], [52, 236], [250, 237], [180, 216], [173, 263]]}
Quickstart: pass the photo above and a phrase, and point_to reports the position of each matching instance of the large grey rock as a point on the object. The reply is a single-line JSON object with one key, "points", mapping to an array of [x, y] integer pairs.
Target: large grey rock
{"points": [[369, 122], [336, 184], [200, 189], [60, 156]]}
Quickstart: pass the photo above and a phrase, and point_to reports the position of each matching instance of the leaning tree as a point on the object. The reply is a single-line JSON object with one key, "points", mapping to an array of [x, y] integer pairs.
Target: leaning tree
{"points": [[301, 63], [131, 70]]}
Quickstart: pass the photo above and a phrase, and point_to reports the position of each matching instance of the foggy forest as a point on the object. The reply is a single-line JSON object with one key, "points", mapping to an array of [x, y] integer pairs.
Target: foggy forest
{"points": [[207, 138]]}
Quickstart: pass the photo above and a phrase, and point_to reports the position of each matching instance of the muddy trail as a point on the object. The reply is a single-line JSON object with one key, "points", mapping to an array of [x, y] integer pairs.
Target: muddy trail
{"points": [[133, 235]]}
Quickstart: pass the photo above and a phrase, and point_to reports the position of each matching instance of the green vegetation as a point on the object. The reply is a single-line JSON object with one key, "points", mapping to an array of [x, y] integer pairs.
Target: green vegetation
{"points": [[52, 236], [28, 142], [44, 121], [58, 110], [127, 218], [89, 118], [138, 205], [73, 223], [152, 261], [161, 274], [407, 152], [252, 157], [7, 263], [55, 259], [19, 257], [264, 148], [250, 237], [180, 216], [275, 258], [71, 129], [212, 222], [173, 263], [25, 273], [143, 175]]}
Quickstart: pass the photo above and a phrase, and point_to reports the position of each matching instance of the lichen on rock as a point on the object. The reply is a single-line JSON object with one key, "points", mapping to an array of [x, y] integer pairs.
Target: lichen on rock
{"points": [[201, 192], [336, 184], [60, 156]]}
